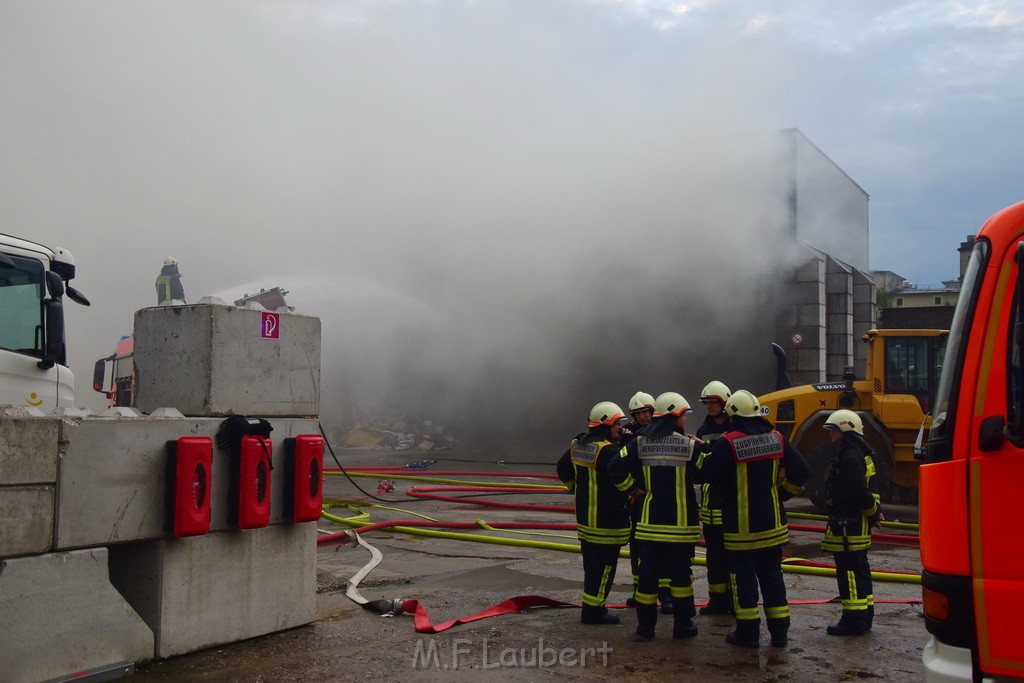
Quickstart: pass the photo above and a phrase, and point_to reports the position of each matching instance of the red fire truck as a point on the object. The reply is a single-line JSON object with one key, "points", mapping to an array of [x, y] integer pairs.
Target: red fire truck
{"points": [[971, 481]]}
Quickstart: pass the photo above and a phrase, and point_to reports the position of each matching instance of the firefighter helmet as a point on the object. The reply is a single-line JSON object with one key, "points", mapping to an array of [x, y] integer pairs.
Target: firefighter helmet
{"points": [[641, 401], [605, 413], [743, 404], [671, 403], [845, 421], [715, 391], [170, 261]]}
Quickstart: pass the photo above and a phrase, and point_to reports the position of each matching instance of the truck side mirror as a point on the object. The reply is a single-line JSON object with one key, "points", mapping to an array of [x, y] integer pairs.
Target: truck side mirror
{"points": [[54, 285], [990, 436], [53, 349]]}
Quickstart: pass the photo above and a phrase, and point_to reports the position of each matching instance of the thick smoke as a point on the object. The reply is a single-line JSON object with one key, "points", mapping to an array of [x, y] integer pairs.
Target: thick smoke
{"points": [[495, 234]]}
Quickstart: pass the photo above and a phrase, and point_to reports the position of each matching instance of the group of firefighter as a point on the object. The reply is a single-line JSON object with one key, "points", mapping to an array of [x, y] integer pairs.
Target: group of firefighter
{"points": [[634, 484]]}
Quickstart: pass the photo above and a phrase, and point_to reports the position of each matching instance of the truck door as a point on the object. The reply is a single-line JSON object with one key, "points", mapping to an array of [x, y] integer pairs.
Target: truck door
{"points": [[22, 381], [995, 477]]}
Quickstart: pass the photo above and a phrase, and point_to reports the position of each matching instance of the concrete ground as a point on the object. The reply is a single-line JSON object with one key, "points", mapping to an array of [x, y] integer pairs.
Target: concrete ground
{"points": [[455, 578]]}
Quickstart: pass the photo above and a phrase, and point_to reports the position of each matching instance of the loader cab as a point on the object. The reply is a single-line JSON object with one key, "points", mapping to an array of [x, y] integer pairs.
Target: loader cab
{"points": [[903, 392]]}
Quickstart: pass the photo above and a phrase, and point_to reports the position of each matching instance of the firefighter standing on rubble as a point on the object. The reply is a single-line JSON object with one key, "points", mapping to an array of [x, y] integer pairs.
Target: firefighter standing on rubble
{"points": [[168, 282], [713, 398], [641, 409], [657, 463], [602, 521], [852, 510], [745, 462]]}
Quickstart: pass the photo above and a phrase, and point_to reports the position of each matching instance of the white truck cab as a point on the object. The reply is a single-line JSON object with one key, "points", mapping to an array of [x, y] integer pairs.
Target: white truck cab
{"points": [[33, 359]]}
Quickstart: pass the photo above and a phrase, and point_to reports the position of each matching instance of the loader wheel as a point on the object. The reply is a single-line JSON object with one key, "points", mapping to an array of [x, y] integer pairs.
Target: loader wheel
{"points": [[883, 459], [816, 448], [819, 459]]}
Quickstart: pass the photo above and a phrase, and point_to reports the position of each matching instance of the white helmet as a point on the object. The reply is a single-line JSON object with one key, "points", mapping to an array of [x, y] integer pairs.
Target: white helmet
{"points": [[715, 391], [170, 261], [605, 413], [743, 404], [845, 421], [671, 403], [641, 401]]}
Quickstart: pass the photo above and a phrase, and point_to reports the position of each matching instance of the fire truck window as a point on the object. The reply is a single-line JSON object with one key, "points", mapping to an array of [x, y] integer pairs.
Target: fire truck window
{"points": [[1013, 390]]}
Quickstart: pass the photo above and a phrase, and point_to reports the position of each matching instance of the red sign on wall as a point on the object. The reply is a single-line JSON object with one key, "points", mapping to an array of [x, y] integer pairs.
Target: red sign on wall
{"points": [[270, 326]]}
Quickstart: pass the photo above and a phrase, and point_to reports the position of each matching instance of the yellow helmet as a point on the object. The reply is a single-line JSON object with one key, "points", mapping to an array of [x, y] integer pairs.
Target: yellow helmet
{"points": [[715, 391], [743, 404], [605, 413], [845, 421], [671, 403], [641, 401]]}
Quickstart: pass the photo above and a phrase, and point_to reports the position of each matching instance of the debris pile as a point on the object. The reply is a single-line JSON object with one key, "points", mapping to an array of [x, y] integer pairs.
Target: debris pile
{"points": [[406, 434]]}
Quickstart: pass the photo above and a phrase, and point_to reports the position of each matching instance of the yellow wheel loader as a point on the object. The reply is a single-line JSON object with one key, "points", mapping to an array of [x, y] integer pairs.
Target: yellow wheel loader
{"points": [[894, 401]]}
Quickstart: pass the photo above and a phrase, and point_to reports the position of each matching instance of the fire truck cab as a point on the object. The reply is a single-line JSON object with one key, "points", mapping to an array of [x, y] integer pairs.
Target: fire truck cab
{"points": [[972, 538]]}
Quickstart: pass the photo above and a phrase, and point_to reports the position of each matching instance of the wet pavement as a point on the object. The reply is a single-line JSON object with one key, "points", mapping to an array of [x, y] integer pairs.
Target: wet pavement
{"points": [[455, 578]]}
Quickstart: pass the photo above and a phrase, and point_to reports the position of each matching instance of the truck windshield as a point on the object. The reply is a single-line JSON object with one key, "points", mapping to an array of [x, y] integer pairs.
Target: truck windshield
{"points": [[939, 438], [21, 300]]}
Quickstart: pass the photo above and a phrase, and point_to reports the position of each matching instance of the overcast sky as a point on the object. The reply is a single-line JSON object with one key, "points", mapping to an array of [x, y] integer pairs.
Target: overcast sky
{"points": [[442, 162]]}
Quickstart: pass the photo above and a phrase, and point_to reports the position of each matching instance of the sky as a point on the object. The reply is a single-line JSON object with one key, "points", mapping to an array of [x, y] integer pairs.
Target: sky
{"points": [[489, 202]]}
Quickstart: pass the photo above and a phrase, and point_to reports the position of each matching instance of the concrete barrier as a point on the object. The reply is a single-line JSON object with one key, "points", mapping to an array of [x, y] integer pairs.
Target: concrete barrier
{"points": [[59, 615]]}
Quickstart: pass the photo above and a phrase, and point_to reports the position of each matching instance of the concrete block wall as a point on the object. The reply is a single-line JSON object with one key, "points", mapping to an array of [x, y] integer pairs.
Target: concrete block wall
{"points": [[838, 319], [28, 475], [865, 317], [800, 325], [112, 480], [219, 588], [82, 502], [827, 306], [59, 615], [211, 359]]}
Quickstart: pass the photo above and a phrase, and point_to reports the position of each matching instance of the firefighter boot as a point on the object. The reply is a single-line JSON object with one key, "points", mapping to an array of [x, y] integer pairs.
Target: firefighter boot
{"points": [[747, 633], [718, 603], [597, 616], [871, 616], [779, 630], [646, 619], [849, 625], [665, 598], [682, 626]]}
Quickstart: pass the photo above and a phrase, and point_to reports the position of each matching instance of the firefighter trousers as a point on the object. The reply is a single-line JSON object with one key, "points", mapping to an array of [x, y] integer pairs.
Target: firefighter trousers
{"points": [[853, 573], [718, 571], [748, 570], [670, 560], [599, 563]]}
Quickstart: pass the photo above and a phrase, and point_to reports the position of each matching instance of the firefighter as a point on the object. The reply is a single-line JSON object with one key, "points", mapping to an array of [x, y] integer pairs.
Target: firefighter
{"points": [[713, 398], [168, 282], [602, 521], [744, 464], [852, 510], [641, 409], [656, 465]]}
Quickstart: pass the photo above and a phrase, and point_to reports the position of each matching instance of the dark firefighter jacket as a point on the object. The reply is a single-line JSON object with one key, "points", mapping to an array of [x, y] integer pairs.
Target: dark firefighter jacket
{"points": [[601, 515], [168, 284], [659, 462], [710, 497], [848, 497], [746, 471]]}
